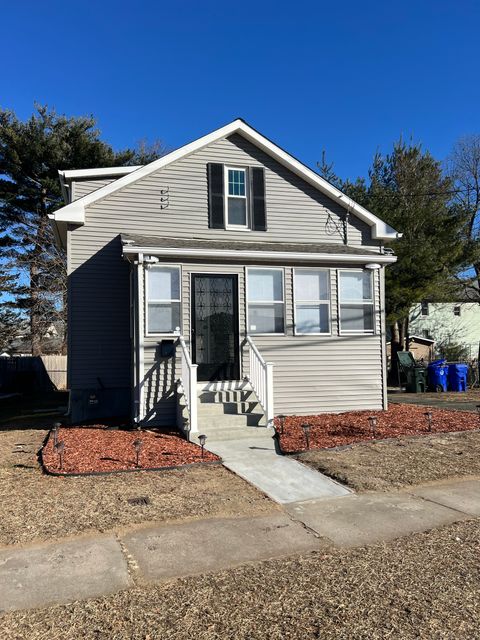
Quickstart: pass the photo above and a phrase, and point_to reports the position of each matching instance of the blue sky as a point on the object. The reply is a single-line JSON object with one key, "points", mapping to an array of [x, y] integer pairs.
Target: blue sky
{"points": [[348, 77]]}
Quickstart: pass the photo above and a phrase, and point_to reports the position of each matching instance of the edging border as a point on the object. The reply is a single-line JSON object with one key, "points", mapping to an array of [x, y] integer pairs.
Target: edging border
{"points": [[59, 474], [344, 447]]}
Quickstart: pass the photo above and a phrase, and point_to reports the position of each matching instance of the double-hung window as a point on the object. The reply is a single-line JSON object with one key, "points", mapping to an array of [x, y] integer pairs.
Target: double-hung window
{"points": [[163, 299], [312, 301], [236, 197], [266, 306], [356, 301]]}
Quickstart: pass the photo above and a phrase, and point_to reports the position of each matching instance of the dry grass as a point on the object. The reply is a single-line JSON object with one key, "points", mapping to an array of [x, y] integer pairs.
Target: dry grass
{"points": [[426, 586], [383, 466], [39, 507]]}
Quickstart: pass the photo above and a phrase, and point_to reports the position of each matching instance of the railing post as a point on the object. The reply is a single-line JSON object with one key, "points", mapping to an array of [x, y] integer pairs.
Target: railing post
{"points": [[269, 393], [193, 399]]}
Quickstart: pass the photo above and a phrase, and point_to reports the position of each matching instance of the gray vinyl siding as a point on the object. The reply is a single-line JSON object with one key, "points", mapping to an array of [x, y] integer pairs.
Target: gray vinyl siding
{"points": [[82, 188], [295, 210], [311, 374]]}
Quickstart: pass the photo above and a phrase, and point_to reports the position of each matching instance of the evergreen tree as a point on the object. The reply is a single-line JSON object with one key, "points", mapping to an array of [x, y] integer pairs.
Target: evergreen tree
{"points": [[31, 153], [408, 190]]}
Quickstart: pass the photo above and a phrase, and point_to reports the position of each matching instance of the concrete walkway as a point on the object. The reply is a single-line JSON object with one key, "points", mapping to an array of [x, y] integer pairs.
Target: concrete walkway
{"points": [[92, 566], [283, 479]]}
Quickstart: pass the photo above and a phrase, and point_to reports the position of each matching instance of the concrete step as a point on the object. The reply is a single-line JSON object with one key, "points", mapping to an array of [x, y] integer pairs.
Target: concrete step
{"points": [[235, 395], [261, 434], [228, 408], [225, 420], [223, 385]]}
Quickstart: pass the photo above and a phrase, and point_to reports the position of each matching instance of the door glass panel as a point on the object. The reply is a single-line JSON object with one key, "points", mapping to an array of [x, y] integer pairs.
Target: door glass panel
{"points": [[215, 335]]}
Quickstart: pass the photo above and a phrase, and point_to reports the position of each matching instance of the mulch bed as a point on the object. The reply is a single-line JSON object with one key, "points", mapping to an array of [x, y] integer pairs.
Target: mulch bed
{"points": [[101, 450], [334, 430]]}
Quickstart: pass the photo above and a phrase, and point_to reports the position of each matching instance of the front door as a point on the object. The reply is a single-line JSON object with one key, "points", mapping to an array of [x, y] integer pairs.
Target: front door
{"points": [[215, 344]]}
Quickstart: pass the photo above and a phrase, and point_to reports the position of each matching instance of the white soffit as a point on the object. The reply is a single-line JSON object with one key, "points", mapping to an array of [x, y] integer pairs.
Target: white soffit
{"points": [[74, 212]]}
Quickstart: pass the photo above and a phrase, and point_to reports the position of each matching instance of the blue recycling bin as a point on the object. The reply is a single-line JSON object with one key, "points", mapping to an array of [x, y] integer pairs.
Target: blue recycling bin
{"points": [[437, 375], [457, 377]]}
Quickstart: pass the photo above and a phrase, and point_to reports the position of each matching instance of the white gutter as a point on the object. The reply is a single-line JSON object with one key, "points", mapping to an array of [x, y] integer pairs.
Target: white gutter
{"points": [[346, 258]]}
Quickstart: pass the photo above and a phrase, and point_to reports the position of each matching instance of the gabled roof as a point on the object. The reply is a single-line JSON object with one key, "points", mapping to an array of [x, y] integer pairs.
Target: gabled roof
{"points": [[74, 213]]}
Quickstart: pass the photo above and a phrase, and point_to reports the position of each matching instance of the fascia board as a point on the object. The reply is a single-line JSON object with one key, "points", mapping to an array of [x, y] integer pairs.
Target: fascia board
{"points": [[261, 255]]}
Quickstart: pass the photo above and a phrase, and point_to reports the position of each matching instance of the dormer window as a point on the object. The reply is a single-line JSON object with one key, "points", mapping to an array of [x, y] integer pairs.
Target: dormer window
{"points": [[236, 197]]}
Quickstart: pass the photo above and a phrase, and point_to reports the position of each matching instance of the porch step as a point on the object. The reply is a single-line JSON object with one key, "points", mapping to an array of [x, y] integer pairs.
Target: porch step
{"points": [[206, 422], [260, 434], [233, 395], [228, 408]]}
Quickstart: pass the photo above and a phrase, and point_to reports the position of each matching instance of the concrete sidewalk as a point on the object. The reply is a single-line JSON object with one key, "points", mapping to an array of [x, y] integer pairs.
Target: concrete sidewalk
{"points": [[92, 566]]}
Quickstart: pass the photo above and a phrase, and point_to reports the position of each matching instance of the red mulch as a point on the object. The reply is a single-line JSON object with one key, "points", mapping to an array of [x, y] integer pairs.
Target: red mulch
{"points": [[333, 430], [97, 449]]}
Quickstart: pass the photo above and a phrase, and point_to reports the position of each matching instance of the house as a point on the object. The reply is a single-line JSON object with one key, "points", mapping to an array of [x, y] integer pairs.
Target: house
{"points": [[225, 265], [448, 324]]}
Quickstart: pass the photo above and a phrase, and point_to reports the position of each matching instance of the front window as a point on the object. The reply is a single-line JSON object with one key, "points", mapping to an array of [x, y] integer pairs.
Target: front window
{"points": [[236, 197], [163, 299], [356, 302], [312, 301], [266, 312], [424, 308]]}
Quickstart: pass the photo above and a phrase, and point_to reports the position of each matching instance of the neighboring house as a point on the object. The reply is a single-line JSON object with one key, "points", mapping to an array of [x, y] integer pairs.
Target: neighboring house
{"points": [[232, 254], [51, 343], [448, 323]]}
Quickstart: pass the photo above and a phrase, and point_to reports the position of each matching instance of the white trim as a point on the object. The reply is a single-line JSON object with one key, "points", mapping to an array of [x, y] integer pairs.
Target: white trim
{"points": [[266, 302], [140, 410], [358, 303], [380, 231], [346, 258], [328, 302], [71, 174], [164, 334]]}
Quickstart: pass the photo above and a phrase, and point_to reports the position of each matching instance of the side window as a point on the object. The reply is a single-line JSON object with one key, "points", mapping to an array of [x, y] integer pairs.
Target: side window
{"points": [[312, 301], [163, 299], [356, 302], [266, 306], [424, 309]]}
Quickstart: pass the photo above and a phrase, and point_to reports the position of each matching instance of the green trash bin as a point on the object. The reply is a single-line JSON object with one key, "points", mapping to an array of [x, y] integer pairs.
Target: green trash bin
{"points": [[413, 376]]}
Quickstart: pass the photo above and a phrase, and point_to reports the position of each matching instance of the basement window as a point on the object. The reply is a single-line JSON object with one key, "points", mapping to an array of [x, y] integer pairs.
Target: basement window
{"points": [[163, 299]]}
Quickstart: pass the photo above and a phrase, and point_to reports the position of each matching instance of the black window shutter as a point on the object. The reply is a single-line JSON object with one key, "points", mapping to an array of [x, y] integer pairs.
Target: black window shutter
{"points": [[216, 205], [259, 216]]}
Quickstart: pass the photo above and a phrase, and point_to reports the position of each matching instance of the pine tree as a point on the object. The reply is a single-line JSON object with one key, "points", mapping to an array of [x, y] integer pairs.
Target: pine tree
{"points": [[31, 153]]}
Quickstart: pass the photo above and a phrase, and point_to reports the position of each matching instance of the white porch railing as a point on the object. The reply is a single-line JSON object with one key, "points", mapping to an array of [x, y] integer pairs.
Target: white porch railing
{"points": [[261, 379], [188, 382]]}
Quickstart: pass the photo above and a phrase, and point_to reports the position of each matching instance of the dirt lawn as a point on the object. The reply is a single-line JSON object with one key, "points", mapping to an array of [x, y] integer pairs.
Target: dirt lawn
{"points": [[426, 586], [37, 507], [383, 466]]}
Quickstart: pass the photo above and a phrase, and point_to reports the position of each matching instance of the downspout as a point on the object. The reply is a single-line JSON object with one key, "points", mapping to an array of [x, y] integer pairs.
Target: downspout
{"points": [[139, 411]]}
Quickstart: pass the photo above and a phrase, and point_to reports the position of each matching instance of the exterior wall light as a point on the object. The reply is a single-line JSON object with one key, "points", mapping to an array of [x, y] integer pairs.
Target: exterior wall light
{"points": [[373, 266]]}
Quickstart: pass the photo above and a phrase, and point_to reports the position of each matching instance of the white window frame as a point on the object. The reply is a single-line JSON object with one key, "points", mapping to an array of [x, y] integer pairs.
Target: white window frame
{"points": [[265, 302], [312, 302], [147, 301], [361, 303], [238, 227]]}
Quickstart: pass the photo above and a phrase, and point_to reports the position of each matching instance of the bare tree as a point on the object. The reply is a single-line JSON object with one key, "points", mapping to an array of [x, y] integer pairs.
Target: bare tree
{"points": [[463, 165]]}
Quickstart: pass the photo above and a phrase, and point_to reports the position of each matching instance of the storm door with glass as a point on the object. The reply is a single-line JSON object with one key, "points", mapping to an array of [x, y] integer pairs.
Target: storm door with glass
{"points": [[215, 344]]}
